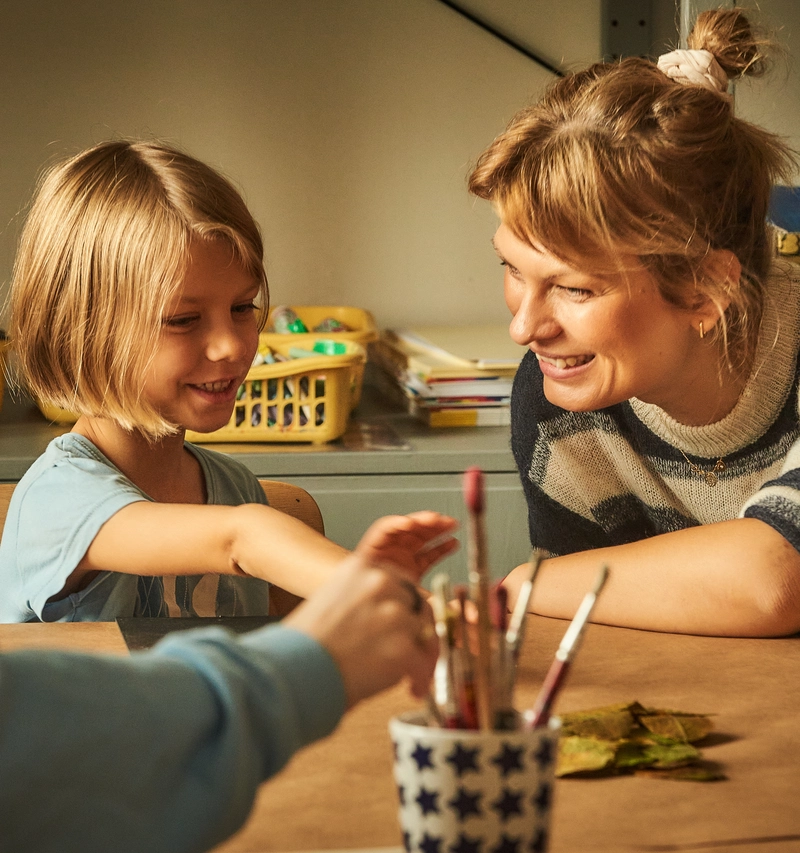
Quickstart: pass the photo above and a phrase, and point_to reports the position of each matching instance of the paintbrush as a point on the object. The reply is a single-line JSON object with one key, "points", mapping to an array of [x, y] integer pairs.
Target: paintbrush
{"points": [[516, 624], [466, 696], [560, 665], [445, 686], [479, 588], [505, 717]]}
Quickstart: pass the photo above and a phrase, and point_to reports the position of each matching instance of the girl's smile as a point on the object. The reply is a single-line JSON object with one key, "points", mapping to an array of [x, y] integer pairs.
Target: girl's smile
{"points": [[220, 391]]}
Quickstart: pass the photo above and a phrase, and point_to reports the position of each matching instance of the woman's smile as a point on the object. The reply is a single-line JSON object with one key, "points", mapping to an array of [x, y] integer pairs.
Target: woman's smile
{"points": [[562, 363]]}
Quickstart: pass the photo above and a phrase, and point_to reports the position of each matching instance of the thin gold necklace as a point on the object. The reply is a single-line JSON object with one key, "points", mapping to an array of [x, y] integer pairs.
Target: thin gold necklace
{"points": [[710, 477]]}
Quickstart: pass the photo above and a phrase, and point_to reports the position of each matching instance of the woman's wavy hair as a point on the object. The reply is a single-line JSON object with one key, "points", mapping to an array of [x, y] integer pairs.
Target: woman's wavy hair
{"points": [[103, 251], [621, 160]]}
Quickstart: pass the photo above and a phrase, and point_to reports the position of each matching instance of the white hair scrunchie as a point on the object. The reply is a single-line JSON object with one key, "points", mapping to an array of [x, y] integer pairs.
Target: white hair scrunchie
{"points": [[694, 67]]}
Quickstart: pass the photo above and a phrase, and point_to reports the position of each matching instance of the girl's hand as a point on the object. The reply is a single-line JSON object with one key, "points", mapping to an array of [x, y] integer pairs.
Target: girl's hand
{"points": [[376, 627], [410, 543]]}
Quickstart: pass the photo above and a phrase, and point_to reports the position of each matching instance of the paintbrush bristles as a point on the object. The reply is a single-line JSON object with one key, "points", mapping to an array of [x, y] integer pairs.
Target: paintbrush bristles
{"points": [[600, 581], [473, 490]]}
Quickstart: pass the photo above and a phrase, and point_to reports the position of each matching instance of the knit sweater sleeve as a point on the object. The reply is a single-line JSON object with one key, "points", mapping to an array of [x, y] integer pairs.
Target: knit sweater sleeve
{"points": [[160, 751], [777, 502]]}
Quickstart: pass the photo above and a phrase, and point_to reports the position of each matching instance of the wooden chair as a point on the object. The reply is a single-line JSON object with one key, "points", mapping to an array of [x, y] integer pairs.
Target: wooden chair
{"points": [[293, 500], [296, 501]]}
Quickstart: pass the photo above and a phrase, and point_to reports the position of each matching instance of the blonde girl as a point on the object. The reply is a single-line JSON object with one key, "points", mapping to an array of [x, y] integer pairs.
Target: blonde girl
{"points": [[137, 298]]}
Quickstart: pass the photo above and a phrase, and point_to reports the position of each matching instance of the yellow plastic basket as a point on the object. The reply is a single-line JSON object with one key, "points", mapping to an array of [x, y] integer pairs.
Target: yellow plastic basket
{"points": [[303, 399], [360, 322]]}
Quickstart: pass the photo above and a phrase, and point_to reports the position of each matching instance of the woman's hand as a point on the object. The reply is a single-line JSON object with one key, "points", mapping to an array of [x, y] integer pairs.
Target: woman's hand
{"points": [[410, 543], [375, 625]]}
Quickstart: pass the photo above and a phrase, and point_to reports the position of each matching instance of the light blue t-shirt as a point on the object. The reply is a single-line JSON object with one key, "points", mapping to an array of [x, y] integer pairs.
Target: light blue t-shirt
{"points": [[57, 509]]}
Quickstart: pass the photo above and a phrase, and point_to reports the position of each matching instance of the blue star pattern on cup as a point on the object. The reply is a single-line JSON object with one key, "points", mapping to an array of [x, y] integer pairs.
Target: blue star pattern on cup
{"points": [[427, 801], [509, 759], [463, 759], [539, 843], [542, 798], [466, 803], [510, 803], [465, 844], [507, 844], [466, 791], [430, 844], [422, 756]]}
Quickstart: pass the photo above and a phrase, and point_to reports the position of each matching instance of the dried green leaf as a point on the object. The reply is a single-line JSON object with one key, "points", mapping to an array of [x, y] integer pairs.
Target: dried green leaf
{"points": [[647, 753], [686, 728], [581, 755], [613, 722], [631, 737], [674, 755], [699, 771], [631, 754]]}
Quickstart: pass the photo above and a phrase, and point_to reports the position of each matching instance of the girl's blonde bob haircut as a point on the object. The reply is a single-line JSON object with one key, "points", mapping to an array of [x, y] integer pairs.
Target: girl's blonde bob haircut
{"points": [[103, 251], [620, 160]]}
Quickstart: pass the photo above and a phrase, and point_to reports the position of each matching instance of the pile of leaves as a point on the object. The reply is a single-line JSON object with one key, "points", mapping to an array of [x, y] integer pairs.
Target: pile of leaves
{"points": [[634, 739]]}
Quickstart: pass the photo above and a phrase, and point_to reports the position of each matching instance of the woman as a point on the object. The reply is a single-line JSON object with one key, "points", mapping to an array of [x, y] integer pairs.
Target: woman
{"points": [[654, 419]]}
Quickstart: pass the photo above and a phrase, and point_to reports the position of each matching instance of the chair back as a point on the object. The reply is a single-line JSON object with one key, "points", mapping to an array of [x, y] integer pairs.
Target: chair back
{"points": [[6, 490], [293, 500]]}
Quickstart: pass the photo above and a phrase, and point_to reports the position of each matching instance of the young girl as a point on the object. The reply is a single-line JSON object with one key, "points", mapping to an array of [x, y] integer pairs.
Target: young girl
{"points": [[138, 294], [655, 418]]}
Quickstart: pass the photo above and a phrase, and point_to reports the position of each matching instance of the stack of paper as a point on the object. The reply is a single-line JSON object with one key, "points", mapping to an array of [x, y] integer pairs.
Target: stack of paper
{"points": [[450, 375]]}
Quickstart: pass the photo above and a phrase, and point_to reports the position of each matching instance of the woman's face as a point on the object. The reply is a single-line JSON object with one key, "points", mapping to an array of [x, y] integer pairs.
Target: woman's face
{"points": [[601, 339]]}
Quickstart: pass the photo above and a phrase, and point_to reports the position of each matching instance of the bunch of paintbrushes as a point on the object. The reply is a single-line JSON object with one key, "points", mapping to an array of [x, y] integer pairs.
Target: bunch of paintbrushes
{"points": [[473, 684]]}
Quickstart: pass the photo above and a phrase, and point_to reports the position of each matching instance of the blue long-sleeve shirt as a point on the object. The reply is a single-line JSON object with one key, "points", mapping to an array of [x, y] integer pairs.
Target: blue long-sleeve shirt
{"points": [[160, 751]]}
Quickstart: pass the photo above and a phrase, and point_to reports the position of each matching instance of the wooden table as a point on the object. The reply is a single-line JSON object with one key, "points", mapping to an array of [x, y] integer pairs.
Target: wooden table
{"points": [[339, 793]]}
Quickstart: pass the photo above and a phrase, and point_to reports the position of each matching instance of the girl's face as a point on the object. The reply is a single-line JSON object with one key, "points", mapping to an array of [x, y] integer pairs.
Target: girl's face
{"points": [[209, 336], [602, 339]]}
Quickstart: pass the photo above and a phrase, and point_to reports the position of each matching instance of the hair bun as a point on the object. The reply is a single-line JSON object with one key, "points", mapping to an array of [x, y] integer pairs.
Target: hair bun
{"points": [[729, 36]]}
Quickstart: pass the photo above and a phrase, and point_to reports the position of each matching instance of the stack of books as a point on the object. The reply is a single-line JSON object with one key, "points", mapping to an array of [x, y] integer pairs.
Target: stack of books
{"points": [[449, 375]]}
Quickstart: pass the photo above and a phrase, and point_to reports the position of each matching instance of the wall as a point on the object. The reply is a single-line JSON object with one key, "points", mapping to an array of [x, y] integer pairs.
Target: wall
{"points": [[350, 124], [774, 101]]}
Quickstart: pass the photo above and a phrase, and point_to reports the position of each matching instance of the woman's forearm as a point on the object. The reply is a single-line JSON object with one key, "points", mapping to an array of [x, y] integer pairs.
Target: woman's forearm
{"points": [[736, 578]]}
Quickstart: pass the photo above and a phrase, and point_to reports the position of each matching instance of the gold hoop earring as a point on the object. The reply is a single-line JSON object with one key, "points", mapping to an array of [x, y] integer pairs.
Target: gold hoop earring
{"points": [[702, 331]]}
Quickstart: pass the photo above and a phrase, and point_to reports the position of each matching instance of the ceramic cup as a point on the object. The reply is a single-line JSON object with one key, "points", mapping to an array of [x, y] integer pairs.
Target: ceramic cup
{"points": [[467, 791]]}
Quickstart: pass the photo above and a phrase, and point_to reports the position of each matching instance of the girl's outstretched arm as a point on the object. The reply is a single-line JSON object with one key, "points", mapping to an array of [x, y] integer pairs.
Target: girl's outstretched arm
{"points": [[737, 578], [147, 538]]}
